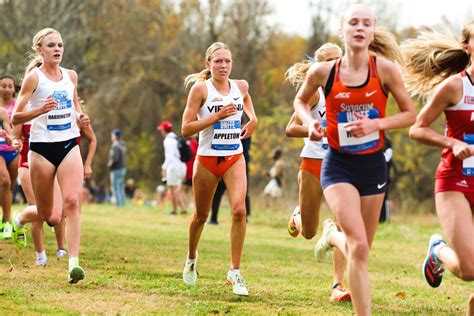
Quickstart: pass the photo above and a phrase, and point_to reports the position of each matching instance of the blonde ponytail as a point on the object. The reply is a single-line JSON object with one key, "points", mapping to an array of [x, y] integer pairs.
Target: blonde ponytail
{"points": [[35, 59], [385, 44], [296, 74], [205, 73], [431, 58]]}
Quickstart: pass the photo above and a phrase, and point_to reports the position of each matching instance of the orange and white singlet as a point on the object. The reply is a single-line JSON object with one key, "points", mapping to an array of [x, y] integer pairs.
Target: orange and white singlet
{"points": [[342, 101]]}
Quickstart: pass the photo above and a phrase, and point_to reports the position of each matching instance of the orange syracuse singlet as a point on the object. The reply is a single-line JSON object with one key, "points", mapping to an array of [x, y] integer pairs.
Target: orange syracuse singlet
{"points": [[342, 101]]}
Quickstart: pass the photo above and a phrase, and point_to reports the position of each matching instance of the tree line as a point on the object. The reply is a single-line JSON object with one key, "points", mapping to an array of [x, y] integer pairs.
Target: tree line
{"points": [[132, 57]]}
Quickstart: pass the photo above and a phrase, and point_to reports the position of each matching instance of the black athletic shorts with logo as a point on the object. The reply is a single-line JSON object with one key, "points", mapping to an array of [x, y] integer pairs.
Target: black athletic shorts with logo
{"points": [[368, 173]]}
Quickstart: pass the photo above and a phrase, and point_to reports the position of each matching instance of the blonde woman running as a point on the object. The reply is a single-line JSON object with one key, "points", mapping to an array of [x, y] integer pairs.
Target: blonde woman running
{"points": [[353, 173], [440, 66], [214, 109], [305, 217], [52, 93]]}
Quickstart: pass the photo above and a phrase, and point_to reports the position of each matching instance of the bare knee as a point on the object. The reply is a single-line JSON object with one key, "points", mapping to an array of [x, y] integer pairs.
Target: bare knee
{"points": [[359, 251], [308, 233], [54, 219], [200, 218], [239, 214], [5, 183], [467, 272], [71, 204]]}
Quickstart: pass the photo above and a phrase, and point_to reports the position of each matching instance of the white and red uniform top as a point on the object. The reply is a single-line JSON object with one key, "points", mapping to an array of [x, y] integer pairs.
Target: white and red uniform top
{"points": [[459, 125], [223, 137], [317, 149]]}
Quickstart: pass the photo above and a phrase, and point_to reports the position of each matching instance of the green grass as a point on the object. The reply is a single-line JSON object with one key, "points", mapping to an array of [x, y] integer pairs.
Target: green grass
{"points": [[133, 258]]}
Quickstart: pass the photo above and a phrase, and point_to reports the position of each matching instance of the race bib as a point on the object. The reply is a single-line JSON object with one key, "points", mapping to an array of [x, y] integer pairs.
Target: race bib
{"points": [[60, 118], [226, 135], [351, 144], [468, 164]]}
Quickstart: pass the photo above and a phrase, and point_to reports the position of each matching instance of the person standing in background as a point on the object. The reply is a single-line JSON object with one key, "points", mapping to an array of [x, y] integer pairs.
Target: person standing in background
{"points": [[174, 170], [117, 155]]}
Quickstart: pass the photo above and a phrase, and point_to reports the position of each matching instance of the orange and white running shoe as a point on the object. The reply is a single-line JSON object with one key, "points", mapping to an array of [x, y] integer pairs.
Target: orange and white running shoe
{"points": [[339, 294], [292, 229]]}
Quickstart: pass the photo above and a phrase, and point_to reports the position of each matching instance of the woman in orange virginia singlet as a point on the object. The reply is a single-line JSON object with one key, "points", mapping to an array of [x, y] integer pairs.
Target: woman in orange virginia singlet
{"points": [[214, 109], [440, 66], [353, 174], [305, 217]]}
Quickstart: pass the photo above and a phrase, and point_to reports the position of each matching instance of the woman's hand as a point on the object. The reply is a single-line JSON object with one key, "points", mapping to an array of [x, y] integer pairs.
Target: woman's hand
{"points": [[49, 105], [315, 132], [226, 111], [461, 150], [363, 126]]}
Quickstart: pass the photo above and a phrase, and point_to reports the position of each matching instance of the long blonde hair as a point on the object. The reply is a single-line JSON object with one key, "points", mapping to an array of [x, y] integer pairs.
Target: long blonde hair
{"points": [[432, 57], [297, 73], [205, 73], [35, 58]]}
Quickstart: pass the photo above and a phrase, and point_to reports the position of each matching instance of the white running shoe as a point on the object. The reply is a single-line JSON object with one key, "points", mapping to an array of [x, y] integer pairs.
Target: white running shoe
{"points": [[322, 246], [61, 253], [238, 283], [189, 272], [41, 262]]}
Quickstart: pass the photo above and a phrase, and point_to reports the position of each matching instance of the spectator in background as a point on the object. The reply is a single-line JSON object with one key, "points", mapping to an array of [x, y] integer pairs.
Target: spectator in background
{"points": [[130, 189], [173, 169], [388, 153], [117, 155], [216, 201], [188, 180]]}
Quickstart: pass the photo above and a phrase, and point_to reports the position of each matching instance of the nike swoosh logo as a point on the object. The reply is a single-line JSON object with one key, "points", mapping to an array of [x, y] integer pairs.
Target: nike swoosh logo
{"points": [[235, 99], [379, 186], [67, 145], [368, 94]]}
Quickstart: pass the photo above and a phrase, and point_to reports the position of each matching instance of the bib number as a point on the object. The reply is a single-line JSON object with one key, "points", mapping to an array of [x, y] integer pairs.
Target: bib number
{"points": [[60, 118], [468, 164], [226, 135], [350, 144]]}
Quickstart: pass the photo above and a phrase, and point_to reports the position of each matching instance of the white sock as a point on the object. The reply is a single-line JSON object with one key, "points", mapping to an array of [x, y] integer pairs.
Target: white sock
{"points": [[17, 222], [41, 255], [437, 249], [235, 270], [73, 261]]}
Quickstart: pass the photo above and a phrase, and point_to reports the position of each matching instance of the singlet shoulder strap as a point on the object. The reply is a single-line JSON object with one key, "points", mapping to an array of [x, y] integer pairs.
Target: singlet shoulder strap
{"points": [[332, 75]]}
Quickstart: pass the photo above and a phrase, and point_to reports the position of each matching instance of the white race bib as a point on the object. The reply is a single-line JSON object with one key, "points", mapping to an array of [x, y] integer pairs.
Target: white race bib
{"points": [[351, 144], [226, 135], [468, 163], [60, 118]]}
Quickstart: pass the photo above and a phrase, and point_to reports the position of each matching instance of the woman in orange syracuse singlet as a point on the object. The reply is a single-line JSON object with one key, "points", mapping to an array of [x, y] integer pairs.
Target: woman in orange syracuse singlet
{"points": [[353, 174]]}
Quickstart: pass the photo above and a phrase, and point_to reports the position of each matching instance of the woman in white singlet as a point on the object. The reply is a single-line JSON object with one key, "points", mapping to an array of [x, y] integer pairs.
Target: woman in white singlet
{"points": [[52, 93], [214, 109], [305, 217]]}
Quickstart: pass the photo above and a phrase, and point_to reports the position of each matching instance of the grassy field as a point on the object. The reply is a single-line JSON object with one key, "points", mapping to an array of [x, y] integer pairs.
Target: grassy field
{"points": [[133, 258]]}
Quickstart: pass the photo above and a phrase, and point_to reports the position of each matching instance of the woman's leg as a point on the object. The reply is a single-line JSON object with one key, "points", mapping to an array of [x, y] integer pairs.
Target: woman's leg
{"points": [[359, 223], [70, 176], [5, 191], [204, 186], [455, 215], [235, 181]]}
